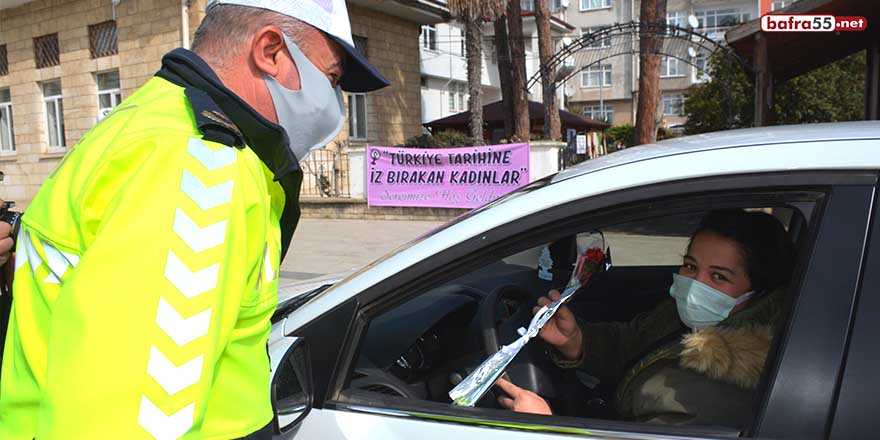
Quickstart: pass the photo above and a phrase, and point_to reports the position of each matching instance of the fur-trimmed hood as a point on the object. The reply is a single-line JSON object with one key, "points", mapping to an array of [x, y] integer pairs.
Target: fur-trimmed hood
{"points": [[734, 355]]}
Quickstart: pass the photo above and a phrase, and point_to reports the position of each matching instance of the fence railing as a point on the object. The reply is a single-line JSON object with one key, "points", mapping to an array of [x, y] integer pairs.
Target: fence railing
{"points": [[325, 174]]}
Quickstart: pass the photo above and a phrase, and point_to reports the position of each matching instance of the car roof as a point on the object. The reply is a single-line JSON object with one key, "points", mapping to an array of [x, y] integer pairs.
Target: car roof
{"points": [[835, 146], [744, 137]]}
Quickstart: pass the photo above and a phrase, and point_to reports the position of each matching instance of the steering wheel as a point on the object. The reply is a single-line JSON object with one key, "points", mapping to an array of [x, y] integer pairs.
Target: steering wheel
{"points": [[502, 312]]}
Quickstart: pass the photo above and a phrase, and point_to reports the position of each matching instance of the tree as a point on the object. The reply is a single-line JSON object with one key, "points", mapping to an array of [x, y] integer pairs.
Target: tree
{"points": [[552, 126], [505, 76], [723, 102], [834, 92], [653, 12], [522, 125], [474, 13]]}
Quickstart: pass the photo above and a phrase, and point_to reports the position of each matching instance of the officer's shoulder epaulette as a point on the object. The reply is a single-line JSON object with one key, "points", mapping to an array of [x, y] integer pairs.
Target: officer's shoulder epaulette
{"points": [[212, 121]]}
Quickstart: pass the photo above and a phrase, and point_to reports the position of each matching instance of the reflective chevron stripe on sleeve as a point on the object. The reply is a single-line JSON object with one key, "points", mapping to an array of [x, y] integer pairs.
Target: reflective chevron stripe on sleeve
{"points": [[189, 284]]}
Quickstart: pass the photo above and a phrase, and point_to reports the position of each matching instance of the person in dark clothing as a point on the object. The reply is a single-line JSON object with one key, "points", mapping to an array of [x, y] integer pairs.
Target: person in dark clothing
{"points": [[725, 302]]}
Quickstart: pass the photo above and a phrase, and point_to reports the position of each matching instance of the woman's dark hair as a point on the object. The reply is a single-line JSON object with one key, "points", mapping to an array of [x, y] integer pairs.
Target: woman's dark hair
{"points": [[766, 248]]}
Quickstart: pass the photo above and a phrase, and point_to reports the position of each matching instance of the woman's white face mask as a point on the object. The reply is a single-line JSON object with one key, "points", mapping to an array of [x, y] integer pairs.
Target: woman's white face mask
{"points": [[699, 305], [311, 116]]}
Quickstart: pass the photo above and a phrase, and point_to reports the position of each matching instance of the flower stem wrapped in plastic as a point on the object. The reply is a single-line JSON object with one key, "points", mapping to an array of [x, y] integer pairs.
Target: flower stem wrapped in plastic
{"points": [[474, 387]]}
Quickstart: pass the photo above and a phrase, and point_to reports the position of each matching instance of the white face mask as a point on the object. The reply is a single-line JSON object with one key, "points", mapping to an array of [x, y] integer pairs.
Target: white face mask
{"points": [[311, 116], [699, 305]]}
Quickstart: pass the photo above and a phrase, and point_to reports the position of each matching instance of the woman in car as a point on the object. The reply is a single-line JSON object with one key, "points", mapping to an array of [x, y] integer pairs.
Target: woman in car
{"points": [[697, 356]]}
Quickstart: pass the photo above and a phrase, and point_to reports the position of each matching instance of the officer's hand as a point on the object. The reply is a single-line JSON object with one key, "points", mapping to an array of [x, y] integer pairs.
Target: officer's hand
{"points": [[5, 242], [562, 330], [521, 400]]}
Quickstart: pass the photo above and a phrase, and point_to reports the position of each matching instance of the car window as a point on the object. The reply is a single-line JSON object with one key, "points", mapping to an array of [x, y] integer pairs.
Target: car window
{"points": [[420, 349], [650, 242]]}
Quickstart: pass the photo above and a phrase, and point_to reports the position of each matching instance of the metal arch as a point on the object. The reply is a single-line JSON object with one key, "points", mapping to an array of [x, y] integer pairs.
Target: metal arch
{"points": [[621, 39]]}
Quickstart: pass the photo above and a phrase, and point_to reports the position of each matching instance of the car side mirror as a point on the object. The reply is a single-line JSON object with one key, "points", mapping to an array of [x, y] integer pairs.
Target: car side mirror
{"points": [[292, 388]]}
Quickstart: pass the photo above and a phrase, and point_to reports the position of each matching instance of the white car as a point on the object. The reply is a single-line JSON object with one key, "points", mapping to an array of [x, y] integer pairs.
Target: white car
{"points": [[374, 356]]}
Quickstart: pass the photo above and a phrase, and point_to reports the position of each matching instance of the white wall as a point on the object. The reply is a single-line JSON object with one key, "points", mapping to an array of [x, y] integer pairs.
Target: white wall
{"points": [[448, 62]]}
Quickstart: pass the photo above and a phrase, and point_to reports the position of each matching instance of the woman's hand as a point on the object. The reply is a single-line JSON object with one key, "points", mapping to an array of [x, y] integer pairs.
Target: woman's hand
{"points": [[562, 330], [521, 400]]}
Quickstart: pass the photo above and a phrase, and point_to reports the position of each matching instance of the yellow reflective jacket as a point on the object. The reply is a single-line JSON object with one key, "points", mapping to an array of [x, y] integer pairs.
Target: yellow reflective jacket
{"points": [[146, 275]]}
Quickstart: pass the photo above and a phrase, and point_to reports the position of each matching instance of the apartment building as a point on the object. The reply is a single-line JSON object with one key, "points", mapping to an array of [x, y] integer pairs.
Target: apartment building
{"points": [[609, 90], [443, 65]]}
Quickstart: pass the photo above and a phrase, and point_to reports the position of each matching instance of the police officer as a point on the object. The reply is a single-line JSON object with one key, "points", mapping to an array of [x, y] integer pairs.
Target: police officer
{"points": [[148, 262]]}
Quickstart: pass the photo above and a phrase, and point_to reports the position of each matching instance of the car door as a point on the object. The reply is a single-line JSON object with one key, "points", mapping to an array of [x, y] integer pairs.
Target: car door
{"points": [[803, 381], [855, 409], [842, 205]]}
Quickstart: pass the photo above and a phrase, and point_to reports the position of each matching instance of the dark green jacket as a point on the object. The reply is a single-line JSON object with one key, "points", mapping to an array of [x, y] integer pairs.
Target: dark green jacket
{"points": [[702, 377]]}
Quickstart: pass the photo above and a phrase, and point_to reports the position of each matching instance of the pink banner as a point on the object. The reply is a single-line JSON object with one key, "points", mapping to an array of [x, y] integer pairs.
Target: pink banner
{"points": [[445, 178]]}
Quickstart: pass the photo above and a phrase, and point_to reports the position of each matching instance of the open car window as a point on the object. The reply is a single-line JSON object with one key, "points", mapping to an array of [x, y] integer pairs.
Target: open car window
{"points": [[415, 352]]}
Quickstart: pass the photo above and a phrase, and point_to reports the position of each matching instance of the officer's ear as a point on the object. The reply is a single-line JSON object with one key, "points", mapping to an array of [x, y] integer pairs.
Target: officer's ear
{"points": [[268, 50], [270, 55]]}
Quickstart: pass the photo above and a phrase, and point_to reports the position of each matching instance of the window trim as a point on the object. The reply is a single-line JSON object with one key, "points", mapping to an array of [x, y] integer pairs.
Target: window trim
{"points": [[4, 60], [604, 109], [717, 32], [679, 15], [96, 30], [602, 70], [58, 100], [113, 92], [695, 69], [603, 43], [10, 125], [581, 7], [353, 118], [424, 43], [729, 190], [664, 73], [663, 100], [39, 44], [773, 4]]}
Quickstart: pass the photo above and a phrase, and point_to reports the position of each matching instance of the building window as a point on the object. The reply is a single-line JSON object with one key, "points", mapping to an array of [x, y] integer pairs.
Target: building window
{"points": [[715, 22], [357, 116], [675, 18], [54, 114], [108, 92], [599, 113], [7, 135], [779, 4], [429, 37], [596, 76], [360, 43], [457, 95], [4, 61], [700, 67], [673, 105], [529, 5], [671, 67], [602, 41], [46, 51], [102, 39], [450, 94], [587, 5]]}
